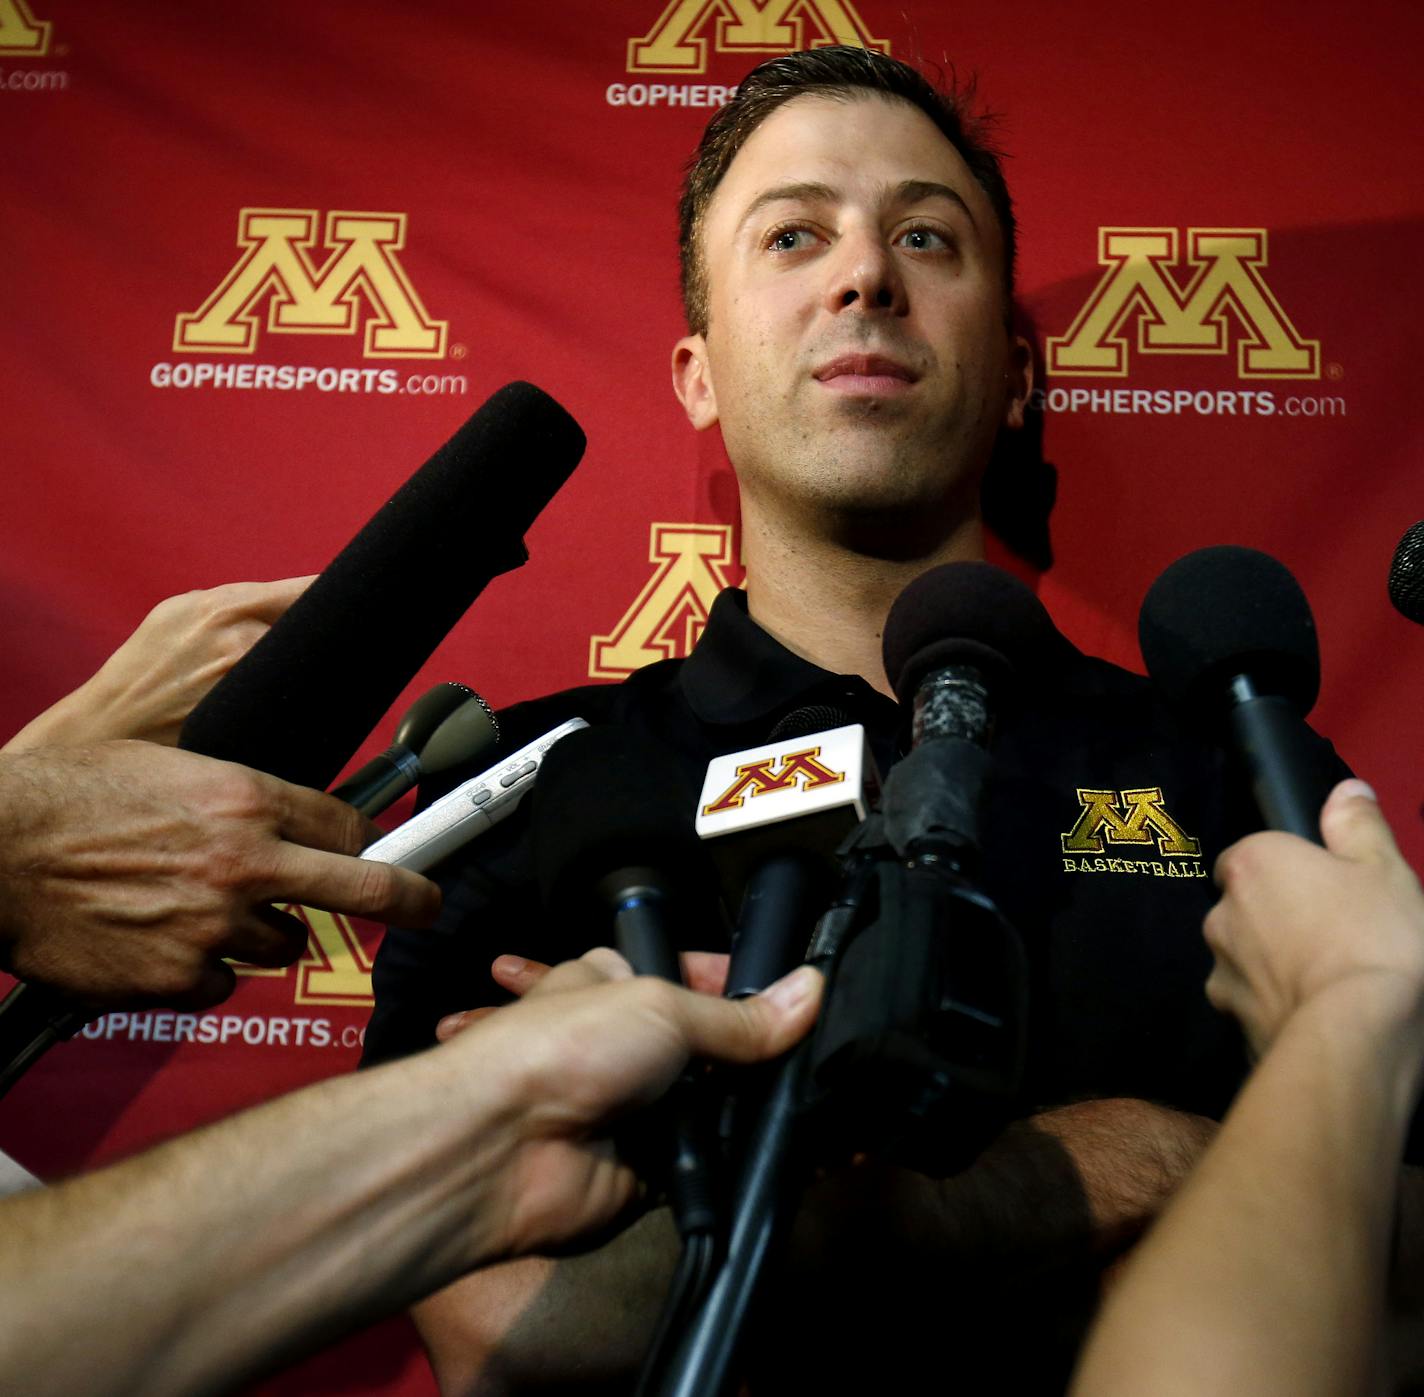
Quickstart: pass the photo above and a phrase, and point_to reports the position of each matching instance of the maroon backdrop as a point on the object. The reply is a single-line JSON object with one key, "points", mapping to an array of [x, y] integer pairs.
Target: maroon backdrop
{"points": [[262, 258]]}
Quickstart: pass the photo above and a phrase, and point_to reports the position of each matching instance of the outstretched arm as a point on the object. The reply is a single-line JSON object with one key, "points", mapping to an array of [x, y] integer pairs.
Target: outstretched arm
{"points": [[1268, 1274], [203, 1264]]}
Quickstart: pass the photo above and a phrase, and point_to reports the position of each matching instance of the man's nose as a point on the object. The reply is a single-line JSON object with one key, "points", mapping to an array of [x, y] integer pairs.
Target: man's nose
{"points": [[866, 277]]}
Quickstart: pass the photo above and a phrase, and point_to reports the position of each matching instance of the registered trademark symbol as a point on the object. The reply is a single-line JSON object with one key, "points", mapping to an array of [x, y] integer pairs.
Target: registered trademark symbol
{"points": [[458, 351], [1334, 371], [61, 50]]}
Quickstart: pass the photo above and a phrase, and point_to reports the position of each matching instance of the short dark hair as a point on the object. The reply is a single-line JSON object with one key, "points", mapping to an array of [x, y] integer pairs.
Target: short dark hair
{"points": [[839, 72]]}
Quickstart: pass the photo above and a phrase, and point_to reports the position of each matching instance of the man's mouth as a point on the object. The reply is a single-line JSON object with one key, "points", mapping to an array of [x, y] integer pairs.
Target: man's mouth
{"points": [[866, 374]]}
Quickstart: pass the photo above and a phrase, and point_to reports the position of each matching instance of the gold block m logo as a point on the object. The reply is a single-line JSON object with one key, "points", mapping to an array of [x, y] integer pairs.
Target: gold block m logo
{"points": [[1226, 266], [690, 568], [1127, 817], [760, 778], [21, 34], [673, 44], [309, 300]]}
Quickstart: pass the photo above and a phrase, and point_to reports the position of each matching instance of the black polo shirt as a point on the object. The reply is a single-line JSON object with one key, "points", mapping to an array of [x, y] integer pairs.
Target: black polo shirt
{"points": [[1103, 818]]}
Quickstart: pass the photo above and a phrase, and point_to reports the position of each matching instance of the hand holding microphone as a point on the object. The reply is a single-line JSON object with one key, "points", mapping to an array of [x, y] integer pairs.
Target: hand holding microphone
{"points": [[129, 872], [302, 699], [150, 684]]}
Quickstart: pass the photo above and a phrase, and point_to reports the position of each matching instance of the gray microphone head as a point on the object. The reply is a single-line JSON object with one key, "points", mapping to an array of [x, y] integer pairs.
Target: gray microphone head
{"points": [[428, 712], [466, 733], [1406, 574]]}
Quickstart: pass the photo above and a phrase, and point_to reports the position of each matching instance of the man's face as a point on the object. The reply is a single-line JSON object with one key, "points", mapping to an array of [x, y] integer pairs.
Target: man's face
{"points": [[856, 355]]}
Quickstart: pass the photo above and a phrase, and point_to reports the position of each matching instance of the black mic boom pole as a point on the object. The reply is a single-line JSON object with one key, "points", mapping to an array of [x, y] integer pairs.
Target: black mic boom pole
{"points": [[304, 698]]}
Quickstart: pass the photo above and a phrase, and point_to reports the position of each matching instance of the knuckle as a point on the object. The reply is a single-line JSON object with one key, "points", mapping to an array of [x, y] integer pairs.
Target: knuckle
{"points": [[373, 885]]}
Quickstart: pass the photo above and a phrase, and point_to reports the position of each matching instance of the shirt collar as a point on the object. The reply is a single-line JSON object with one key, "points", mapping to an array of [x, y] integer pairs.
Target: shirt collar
{"points": [[738, 673]]}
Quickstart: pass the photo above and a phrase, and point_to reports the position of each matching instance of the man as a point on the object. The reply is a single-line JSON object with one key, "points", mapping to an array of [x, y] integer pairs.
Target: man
{"points": [[205, 1263], [847, 245]]}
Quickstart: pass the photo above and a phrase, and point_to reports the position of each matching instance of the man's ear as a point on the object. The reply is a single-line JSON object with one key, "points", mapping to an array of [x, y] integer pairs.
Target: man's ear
{"points": [[1019, 376], [692, 381]]}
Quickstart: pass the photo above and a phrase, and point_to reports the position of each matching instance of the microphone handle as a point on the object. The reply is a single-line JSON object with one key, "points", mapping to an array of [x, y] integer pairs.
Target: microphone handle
{"points": [[1273, 741], [640, 923], [381, 782], [32, 1020], [775, 924]]}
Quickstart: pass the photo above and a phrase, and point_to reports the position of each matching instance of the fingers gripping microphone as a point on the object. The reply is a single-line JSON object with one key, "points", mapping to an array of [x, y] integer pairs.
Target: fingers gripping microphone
{"points": [[1227, 635], [307, 694]]}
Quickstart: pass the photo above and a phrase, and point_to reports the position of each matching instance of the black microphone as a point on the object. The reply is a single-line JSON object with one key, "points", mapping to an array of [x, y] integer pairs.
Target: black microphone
{"points": [[772, 819], [446, 726], [1406, 574], [1227, 635], [926, 1004], [956, 641], [613, 838], [304, 698]]}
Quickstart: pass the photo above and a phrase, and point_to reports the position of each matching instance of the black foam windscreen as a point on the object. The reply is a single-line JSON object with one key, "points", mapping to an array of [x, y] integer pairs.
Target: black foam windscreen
{"points": [[303, 699], [966, 613], [1227, 611], [610, 798], [1406, 574]]}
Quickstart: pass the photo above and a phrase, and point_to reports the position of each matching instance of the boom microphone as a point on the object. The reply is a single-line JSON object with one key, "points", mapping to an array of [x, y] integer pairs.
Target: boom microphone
{"points": [[305, 696], [1227, 635], [955, 640], [308, 693]]}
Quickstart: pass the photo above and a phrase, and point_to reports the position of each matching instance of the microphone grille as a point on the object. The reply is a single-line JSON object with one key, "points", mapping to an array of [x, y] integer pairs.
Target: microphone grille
{"points": [[809, 718], [1406, 574]]}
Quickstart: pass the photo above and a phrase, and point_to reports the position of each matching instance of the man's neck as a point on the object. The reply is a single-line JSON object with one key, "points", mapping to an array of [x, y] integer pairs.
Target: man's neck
{"points": [[827, 602]]}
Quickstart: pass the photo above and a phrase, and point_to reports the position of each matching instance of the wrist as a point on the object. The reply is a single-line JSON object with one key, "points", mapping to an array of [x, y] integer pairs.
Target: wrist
{"points": [[1371, 1026]]}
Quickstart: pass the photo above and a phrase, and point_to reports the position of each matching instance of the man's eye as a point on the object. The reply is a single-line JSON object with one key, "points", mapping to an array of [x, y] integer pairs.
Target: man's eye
{"points": [[790, 240], [924, 240]]}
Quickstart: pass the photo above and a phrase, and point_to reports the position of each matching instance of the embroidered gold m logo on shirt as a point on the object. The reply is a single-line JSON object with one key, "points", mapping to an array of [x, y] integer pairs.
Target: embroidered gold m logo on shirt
{"points": [[1226, 275], [1135, 818], [304, 298]]}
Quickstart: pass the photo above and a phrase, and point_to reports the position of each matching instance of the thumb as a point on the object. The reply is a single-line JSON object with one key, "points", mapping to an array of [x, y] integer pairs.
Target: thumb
{"points": [[1352, 826], [754, 1029]]}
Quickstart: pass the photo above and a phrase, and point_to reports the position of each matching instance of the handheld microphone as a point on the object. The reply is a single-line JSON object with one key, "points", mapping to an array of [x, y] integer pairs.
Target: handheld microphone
{"points": [[307, 694], [613, 837], [927, 1001], [447, 726], [1406, 574], [956, 640], [772, 819], [1227, 635]]}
